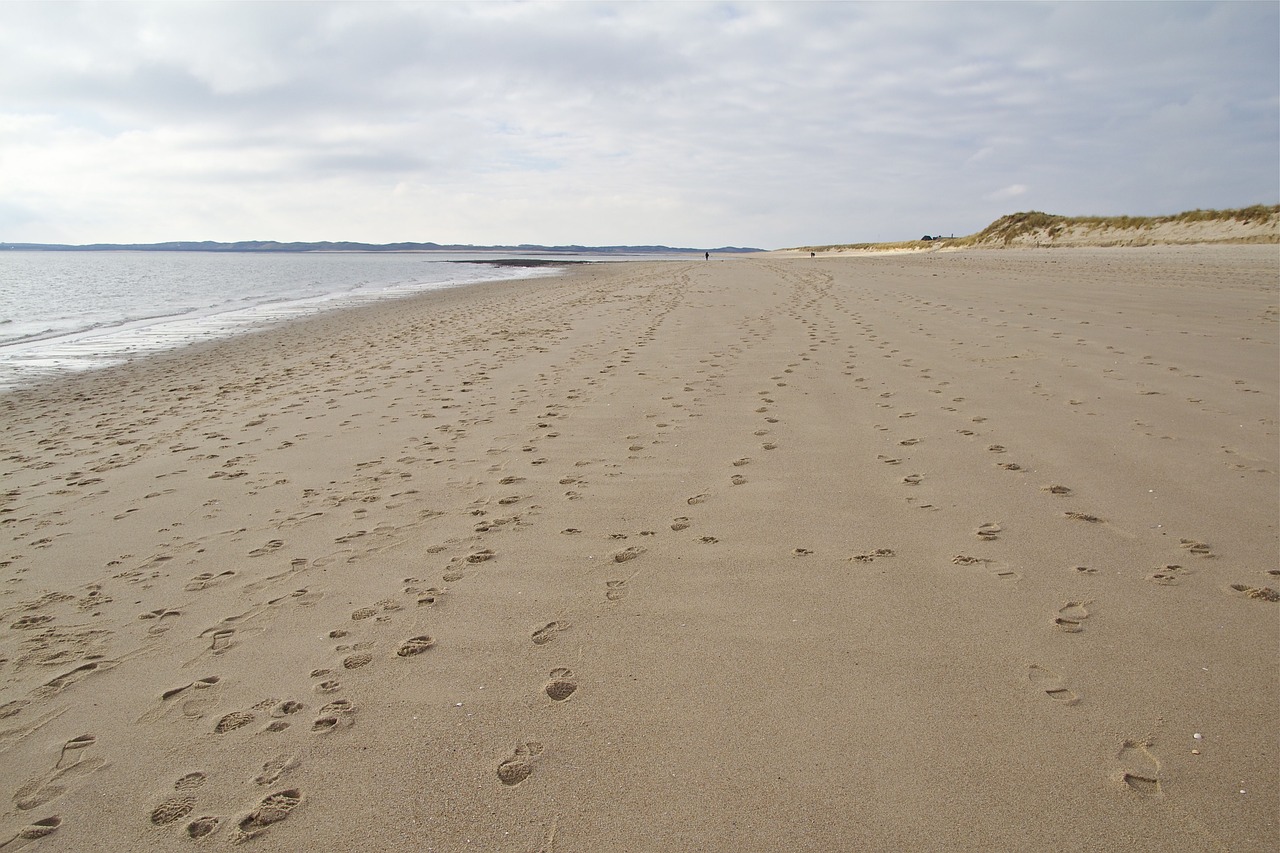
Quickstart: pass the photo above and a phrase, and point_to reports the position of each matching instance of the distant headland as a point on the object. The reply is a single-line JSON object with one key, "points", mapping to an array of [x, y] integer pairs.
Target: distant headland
{"points": [[327, 246]]}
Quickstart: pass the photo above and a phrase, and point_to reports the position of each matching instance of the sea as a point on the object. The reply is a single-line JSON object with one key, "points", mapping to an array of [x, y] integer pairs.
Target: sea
{"points": [[70, 311]]}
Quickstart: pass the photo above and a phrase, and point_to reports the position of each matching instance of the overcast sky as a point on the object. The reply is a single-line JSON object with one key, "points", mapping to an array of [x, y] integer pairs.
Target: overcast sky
{"points": [[685, 124]]}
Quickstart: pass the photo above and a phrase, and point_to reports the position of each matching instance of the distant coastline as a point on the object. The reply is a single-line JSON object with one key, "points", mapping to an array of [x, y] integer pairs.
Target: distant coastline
{"points": [[327, 246]]}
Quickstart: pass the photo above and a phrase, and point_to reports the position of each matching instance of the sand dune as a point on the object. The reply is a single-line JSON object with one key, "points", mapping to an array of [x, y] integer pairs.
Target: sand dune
{"points": [[968, 551]]}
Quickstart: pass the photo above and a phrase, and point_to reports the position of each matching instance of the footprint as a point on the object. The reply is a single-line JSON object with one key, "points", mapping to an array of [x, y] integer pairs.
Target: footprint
{"points": [[628, 554], [1070, 615], [231, 722], [35, 830], [697, 499], [357, 660], [1082, 516], [562, 685], [1265, 593], [801, 552], [27, 622], [912, 479], [415, 646], [172, 810], [221, 640], [284, 709], [519, 766], [548, 632], [273, 809], [273, 545], [988, 530], [1057, 490], [871, 556], [1198, 548], [163, 620], [1143, 777], [74, 749], [1047, 680], [681, 523], [9, 709], [206, 580], [273, 769], [56, 685], [190, 782], [615, 590], [737, 479], [1168, 575], [202, 826], [53, 784], [339, 706]]}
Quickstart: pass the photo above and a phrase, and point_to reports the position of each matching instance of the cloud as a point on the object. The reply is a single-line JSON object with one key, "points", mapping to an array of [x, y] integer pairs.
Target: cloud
{"points": [[1011, 191], [768, 124]]}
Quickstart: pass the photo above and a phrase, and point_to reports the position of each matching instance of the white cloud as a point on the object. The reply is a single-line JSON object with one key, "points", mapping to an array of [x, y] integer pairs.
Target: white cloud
{"points": [[694, 124], [1011, 191]]}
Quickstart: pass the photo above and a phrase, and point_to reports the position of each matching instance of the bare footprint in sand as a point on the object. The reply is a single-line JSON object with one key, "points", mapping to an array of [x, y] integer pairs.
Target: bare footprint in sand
{"points": [[1071, 616], [1048, 681], [72, 764], [1142, 773], [988, 531]]}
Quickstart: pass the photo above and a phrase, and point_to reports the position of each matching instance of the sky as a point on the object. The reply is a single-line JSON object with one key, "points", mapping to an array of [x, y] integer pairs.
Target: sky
{"points": [[684, 124]]}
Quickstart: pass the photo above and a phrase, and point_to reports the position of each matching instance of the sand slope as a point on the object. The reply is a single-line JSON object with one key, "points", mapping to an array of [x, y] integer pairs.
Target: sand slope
{"points": [[946, 551]]}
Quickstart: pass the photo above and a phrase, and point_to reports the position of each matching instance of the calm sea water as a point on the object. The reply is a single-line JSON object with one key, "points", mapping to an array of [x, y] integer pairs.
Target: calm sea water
{"points": [[69, 311]]}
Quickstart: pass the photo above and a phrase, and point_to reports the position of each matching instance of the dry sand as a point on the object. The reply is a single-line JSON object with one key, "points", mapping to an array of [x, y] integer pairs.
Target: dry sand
{"points": [[938, 552]]}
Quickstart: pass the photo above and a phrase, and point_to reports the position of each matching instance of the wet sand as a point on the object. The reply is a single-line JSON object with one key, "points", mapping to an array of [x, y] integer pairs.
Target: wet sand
{"points": [[966, 551]]}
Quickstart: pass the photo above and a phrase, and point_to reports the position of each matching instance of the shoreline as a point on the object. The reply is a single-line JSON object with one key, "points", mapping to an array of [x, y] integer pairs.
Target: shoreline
{"points": [[902, 551]]}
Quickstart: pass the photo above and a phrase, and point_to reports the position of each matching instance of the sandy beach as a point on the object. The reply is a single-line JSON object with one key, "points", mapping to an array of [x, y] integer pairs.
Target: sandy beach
{"points": [[951, 551]]}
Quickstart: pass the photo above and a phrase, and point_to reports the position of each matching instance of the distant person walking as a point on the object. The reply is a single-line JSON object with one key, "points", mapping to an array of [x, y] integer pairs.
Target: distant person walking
{"points": [[706, 256]]}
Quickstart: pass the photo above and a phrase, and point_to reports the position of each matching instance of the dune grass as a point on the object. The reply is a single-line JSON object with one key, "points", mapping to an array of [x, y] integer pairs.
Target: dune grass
{"points": [[1008, 228]]}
